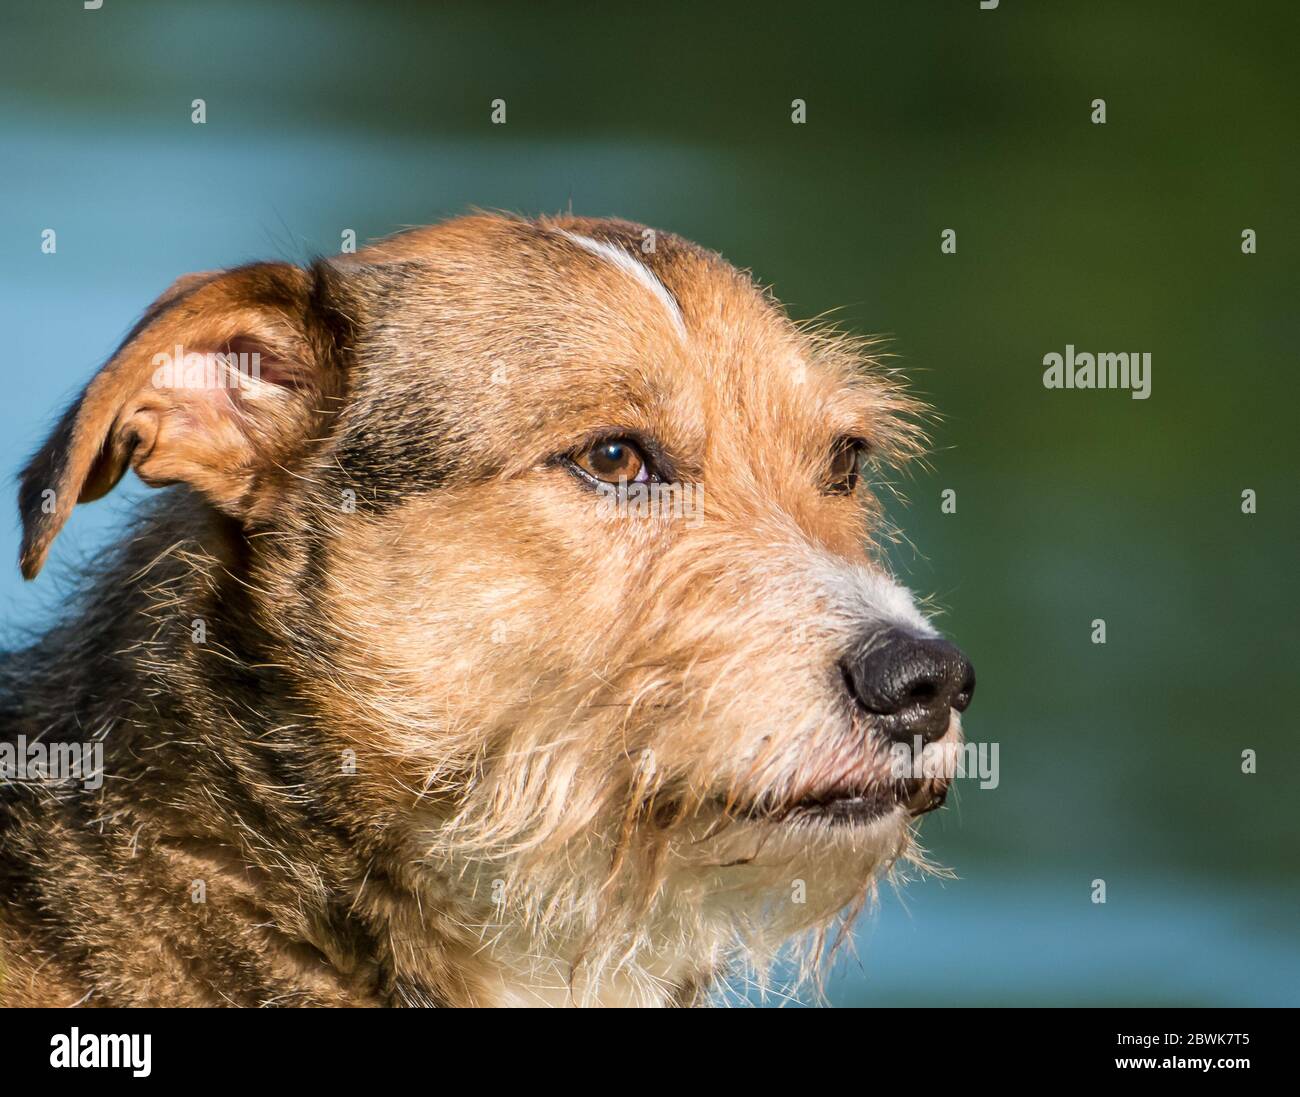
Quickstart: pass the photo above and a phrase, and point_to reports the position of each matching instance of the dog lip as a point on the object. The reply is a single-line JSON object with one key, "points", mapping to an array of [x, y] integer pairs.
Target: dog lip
{"points": [[916, 796], [848, 808]]}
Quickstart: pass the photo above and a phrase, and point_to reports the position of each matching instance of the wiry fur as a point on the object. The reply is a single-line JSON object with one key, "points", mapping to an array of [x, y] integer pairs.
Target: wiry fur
{"points": [[578, 742]]}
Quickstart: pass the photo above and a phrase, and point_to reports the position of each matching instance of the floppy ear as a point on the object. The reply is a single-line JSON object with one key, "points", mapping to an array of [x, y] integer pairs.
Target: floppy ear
{"points": [[218, 386]]}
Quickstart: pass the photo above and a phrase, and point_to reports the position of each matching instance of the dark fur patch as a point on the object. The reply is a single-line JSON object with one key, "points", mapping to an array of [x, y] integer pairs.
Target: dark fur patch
{"points": [[389, 452]]}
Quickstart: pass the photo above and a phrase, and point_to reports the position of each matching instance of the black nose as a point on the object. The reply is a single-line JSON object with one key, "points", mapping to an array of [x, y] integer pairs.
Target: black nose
{"points": [[909, 683]]}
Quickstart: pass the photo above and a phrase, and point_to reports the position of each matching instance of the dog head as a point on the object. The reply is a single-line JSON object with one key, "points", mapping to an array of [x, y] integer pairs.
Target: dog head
{"points": [[559, 526]]}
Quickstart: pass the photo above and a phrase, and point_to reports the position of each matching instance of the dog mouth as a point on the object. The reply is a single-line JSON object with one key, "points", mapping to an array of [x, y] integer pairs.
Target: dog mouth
{"points": [[915, 796], [845, 785], [854, 806]]}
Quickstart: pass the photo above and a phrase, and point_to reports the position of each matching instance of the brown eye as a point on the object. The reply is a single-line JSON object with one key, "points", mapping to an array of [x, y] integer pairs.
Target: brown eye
{"points": [[612, 460], [845, 458]]}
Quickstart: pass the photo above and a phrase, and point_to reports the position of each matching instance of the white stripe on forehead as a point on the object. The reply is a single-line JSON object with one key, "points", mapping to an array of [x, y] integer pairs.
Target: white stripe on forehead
{"points": [[629, 264]]}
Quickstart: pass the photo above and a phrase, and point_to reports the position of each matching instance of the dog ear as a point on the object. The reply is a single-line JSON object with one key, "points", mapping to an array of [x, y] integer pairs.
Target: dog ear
{"points": [[218, 386]]}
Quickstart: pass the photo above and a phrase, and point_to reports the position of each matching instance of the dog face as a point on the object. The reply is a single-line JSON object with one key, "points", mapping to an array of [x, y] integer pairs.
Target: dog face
{"points": [[560, 525]]}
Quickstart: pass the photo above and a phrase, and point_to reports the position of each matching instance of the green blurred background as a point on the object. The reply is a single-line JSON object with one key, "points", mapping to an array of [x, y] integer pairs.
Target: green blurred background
{"points": [[1119, 762]]}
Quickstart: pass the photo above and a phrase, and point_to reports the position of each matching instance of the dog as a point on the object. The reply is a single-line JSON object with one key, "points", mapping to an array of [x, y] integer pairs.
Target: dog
{"points": [[403, 695]]}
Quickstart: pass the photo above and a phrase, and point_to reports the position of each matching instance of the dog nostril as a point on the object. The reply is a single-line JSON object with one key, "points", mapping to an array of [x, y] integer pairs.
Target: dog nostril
{"points": [[922, 692], [963, 699]]}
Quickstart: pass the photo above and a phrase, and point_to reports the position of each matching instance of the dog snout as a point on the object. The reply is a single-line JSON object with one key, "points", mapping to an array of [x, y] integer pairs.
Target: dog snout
{"points": [[909, 683]]}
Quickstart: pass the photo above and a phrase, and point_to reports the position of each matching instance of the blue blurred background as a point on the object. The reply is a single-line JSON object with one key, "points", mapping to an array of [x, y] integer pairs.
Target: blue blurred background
{"points": [[1119, 762]]}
